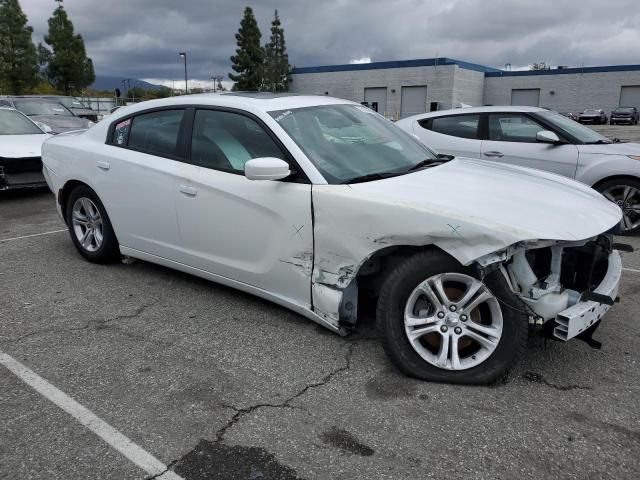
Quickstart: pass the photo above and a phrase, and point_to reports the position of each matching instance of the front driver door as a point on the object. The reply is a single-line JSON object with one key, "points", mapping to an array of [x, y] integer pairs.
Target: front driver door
{"points": [[512, 140], [257, 232]]}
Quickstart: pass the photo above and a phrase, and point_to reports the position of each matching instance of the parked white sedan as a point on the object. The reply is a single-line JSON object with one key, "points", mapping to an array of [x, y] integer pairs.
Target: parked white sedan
{"points": [[538, 138], [21, 141], [320, 204]]}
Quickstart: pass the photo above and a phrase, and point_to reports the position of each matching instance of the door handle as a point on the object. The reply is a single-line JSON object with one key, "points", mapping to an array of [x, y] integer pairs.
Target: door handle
{"points": [[189, 191], [103, 165], [493, 154]]}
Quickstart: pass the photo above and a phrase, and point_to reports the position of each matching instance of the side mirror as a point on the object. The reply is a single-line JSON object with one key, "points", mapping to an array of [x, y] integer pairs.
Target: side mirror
{"points": [[266, 168], [547, 136]]}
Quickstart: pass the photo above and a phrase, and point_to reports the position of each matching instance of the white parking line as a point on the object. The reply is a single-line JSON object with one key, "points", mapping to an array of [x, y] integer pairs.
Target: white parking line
{"points": [[86, 417], [634, 270], [33, 235]]}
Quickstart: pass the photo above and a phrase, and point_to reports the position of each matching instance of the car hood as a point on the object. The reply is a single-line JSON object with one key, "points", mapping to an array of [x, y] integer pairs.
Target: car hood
{"points": [[61, 123], [468, 208], [21, 146], [611, 149]]}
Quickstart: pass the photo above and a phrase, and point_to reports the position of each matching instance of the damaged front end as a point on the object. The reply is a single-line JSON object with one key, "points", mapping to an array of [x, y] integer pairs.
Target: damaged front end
{"points": [[565, 287]]}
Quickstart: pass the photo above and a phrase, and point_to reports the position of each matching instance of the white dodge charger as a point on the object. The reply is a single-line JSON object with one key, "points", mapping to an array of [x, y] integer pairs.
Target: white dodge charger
{"points": [[320, 204]]}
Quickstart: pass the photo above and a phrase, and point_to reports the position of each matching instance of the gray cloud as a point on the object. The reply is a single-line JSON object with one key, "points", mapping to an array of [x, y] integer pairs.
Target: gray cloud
{"points": [[142, 38]]}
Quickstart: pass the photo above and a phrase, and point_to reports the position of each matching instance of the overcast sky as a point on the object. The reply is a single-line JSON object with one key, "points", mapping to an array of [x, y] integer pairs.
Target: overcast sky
{"points": [[142, 38]]}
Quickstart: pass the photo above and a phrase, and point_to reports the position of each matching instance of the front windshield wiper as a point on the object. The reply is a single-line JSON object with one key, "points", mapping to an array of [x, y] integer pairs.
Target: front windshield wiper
{"points": [[440, 158], [599, 142], [371, 176]]}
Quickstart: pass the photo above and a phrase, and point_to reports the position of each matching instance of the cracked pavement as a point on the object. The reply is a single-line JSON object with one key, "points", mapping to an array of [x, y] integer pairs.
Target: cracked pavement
{"points": [[218, 384]]}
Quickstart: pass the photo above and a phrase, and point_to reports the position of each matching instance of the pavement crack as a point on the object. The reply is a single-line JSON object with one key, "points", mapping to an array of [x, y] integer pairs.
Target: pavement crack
{"points": [[169, 467], [241, 412]]}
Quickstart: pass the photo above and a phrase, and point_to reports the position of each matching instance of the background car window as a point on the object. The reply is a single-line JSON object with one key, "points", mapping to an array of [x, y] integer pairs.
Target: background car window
{"points": [[14, 123], [505, 127], [463, 126], [155, 132], [226, 140]]}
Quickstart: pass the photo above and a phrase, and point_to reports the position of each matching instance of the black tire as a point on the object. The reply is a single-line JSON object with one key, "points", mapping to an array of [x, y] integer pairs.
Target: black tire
{"points": [[611, 122], [622, 182], [394, 294], [109, 250]]}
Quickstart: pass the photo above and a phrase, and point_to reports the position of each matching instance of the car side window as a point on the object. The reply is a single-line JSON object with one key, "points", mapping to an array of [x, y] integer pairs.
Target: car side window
{"points": [[4, 103], [226, 140], [121, 132], [513, 127], [462, 126], [155, 133]]}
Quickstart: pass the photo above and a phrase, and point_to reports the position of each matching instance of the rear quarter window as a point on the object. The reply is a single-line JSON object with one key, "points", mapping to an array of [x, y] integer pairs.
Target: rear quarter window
{"points": [[121, 132]]}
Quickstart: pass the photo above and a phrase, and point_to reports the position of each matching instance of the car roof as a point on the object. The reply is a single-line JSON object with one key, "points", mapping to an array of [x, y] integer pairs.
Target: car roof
{"points": [[485, 109], [251, 101]]}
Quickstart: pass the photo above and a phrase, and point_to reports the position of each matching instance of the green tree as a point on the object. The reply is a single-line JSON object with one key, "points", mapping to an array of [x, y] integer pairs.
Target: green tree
{"points": [[66, 64], [18, 57], [249, 58], [277, 70]]}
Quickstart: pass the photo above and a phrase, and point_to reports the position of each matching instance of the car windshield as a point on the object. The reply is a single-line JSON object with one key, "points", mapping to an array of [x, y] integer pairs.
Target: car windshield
{"points": [[580, 132], [71, 102], [41, 107], [591, 110], [623, 110], [14, 123], [347, 142]]}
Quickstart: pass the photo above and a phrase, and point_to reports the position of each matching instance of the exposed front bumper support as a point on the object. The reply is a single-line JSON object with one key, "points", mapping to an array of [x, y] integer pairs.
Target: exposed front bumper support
{"points": [[579, 317]]}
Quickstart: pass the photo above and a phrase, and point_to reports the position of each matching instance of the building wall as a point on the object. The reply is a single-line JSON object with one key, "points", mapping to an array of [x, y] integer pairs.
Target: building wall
{"points": [[572, 92], [446, 84]]}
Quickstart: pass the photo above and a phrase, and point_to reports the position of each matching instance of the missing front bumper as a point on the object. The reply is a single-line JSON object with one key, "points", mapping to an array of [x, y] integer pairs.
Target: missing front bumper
{"points": [[579, 317]]}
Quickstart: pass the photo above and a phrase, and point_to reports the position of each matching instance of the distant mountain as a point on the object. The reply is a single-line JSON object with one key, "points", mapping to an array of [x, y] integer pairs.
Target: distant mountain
{"points": [[111, 83]]}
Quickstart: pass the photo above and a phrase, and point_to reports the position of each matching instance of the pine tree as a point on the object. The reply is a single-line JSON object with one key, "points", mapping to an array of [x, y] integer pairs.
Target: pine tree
{"points": [[249, 58], [277, 71], [66, 64], [18, 57]]}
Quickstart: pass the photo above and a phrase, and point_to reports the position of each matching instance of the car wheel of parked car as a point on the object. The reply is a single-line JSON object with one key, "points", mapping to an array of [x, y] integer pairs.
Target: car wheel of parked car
{"points": [[440, 322], [90, 228], [626, 194]]}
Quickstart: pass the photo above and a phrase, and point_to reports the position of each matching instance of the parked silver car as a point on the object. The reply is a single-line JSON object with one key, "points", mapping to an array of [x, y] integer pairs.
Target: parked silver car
{"points": [[538, 138]]}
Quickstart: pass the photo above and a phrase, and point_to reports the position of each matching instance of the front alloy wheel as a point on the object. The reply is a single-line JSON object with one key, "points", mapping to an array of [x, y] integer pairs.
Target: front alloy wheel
{"points": [[441, 322], [453, 321]]}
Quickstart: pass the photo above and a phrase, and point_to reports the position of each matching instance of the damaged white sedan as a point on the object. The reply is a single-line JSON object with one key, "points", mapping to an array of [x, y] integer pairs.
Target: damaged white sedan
{"points": [[322, 205]]}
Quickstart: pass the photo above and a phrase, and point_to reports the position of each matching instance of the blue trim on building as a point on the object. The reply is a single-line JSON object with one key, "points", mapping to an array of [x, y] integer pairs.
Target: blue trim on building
{"points": [[488, 71], [422, 62], [565, 71]]}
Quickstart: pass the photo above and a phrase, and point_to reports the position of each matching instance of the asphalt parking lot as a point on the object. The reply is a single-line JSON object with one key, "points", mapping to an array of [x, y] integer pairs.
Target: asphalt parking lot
{"points": [[217, 384]]}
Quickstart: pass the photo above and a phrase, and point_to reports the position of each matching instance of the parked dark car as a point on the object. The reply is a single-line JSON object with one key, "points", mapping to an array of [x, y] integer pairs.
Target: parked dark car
{"points": [[624, 115], [73, 104], [54, 116], [593, 115]]}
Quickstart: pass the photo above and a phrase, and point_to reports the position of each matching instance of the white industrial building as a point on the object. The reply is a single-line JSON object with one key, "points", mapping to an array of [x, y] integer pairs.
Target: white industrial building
{"points": [[401, 88]]}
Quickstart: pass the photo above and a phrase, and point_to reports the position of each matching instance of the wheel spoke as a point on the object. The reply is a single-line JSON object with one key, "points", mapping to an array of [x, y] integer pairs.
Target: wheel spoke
{"points": [[454, 354], [86, 238], [439, 290], [413, 321], [607, 194], [469, 294], [477, 300], [426, 289], [483, 329], [627, 191], [419, 332], [485, 342], [80, 219], [443, 354]]}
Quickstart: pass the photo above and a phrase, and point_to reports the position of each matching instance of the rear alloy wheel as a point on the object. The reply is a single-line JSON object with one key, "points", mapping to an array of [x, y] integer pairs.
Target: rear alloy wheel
{"points": [[440, 322], [626, 194], [90, 228]]}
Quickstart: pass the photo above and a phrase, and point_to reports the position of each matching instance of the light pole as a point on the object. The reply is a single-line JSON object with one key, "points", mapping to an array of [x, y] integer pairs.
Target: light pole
{"points": [[184, 56]]}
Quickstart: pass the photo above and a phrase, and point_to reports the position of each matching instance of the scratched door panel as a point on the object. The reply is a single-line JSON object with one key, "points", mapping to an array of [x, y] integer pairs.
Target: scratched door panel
{"points": [[255, 232]]}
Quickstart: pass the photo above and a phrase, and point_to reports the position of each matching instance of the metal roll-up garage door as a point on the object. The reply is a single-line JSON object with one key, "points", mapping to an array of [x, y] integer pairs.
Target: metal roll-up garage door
{"points": [[376, 98], [630, 96], [413, 100], [529, 97]]}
